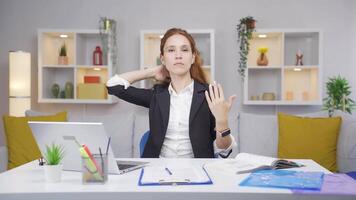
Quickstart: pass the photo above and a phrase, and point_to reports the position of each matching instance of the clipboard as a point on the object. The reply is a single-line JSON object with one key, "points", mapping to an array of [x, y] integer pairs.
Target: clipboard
{"points": [[185, 181]]}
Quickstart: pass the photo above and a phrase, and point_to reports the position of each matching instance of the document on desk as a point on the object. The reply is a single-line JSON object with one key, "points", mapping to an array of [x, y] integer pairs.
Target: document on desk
{"points": [[247, 163], [174, 175]]}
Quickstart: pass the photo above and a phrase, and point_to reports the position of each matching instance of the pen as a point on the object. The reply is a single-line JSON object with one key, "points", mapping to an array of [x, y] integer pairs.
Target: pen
{"points": [[169, 171], [107, 147]]}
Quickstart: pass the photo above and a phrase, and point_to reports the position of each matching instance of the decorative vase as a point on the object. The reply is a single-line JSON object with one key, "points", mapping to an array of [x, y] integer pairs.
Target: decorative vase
{"points": [[268, 96], [251, 24], [68, 90], [62, 94], [262, 60], [97, 56], [53, 173], [55, 90], [62, 60]]}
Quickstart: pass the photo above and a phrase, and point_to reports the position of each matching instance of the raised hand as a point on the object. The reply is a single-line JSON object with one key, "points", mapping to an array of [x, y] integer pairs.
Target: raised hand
{"points": [[161, 73], [217, 103]]}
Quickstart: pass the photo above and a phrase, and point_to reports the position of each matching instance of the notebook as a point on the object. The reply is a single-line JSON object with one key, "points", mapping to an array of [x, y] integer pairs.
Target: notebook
{"points": [[93, 135], [247, 163]]}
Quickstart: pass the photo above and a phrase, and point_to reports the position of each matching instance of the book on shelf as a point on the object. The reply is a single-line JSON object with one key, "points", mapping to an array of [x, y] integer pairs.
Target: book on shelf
{"points": [[247, 163]]}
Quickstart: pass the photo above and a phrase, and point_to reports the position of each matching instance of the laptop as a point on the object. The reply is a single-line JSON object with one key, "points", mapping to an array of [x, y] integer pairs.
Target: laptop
{"points": [[93, 135]]}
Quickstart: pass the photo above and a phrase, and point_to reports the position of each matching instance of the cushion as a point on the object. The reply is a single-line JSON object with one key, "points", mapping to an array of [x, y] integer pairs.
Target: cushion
{"points": [[309, 138], [258, 134], [22, 147]]}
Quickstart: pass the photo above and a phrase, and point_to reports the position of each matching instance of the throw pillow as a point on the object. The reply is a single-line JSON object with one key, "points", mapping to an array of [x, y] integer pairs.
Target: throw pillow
{"points": [[309, 138], [22, 147]]}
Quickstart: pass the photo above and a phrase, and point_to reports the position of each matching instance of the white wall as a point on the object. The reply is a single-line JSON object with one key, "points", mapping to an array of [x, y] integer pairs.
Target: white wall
{"points": [[19, 21]]}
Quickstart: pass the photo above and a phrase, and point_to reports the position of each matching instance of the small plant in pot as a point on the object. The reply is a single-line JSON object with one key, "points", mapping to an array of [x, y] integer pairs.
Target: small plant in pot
{"points": [[63, 58], [244, 29], [53, 156], [338, 92]]}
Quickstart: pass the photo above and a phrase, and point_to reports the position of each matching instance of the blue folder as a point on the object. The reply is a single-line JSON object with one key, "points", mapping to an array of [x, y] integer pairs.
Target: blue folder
{"points": [[169, 182], [285, 179]]}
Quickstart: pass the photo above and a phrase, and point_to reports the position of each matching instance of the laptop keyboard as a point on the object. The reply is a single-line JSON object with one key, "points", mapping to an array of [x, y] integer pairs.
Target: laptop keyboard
{"points": [[124, 166]]}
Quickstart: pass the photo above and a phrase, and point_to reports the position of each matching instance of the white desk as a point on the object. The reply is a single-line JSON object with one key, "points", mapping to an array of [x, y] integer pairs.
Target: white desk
{"points": [[27, 182]]}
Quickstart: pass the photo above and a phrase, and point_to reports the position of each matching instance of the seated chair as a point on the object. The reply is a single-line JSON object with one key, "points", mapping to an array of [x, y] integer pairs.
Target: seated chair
{"points": [[143, 142], [352, 174]]}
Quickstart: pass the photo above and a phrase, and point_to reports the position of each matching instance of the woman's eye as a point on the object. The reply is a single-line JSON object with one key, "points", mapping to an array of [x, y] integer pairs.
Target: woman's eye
{"points": [[185, 50], [170, 50]]}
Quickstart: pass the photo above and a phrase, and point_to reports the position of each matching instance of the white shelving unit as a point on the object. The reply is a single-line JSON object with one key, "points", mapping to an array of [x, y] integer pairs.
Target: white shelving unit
{"points": [[80, 45], [282, 78], [149, 50]]}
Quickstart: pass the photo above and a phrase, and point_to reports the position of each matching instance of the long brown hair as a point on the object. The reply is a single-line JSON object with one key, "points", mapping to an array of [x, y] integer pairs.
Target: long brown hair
{"points": [[196, 70]]}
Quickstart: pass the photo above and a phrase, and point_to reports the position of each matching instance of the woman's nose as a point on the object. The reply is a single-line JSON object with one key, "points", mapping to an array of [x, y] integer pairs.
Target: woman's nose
{"points": [[178, 54]]}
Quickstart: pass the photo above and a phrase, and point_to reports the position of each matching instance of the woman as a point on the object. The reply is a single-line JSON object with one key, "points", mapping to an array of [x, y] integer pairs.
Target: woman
{"points": [[188, 118]]}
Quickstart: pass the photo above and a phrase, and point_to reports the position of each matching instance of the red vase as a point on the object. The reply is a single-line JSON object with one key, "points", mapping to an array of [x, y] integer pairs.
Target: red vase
{"points": [[97, 56]]}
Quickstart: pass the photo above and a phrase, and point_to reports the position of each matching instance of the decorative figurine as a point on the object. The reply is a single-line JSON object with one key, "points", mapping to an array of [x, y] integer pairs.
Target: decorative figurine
{"points": [[299, 58]]}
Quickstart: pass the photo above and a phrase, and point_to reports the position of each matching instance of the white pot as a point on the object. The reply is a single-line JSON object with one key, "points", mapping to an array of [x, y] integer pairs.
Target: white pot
{"points": [[53, 173]]}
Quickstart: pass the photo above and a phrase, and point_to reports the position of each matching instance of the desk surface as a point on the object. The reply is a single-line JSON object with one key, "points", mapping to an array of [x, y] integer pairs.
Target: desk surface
{"points": [[27, 182]]}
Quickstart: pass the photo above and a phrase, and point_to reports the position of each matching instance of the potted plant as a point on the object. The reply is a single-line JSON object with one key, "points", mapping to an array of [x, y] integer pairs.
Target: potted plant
{"points": [[53, 167], [245, 29], [338, 92], [63, 59]]}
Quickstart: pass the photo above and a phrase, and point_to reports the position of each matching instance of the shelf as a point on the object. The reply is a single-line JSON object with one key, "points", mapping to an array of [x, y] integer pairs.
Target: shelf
{"points": [[76, 101], [86, 43], [273, 41], [291, 84], [80, 47], [307, 43], [261, 102], [92, 71], [52, 42], [301, 85], [52, 75], [263, 81], [264, 67]]}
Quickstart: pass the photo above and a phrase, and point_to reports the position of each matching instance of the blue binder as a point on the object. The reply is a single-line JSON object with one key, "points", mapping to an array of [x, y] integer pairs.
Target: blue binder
{"points": [[285, 179], [186, 181]]}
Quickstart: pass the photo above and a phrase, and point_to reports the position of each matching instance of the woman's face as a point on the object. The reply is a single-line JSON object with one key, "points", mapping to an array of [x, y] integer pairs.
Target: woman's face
{"points": [[177, 55]]}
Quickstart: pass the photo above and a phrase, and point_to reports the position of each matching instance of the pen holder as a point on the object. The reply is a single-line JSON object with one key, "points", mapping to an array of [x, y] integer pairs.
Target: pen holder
{"points": [[95, 169]]}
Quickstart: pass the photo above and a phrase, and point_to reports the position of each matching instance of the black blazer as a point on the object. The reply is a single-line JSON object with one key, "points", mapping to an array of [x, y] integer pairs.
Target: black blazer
{"points": [[157, 99]]}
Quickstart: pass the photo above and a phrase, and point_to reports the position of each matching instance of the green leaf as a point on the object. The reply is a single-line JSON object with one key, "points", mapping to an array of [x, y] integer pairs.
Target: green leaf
{"points": [[54, 154], [338, 91]]}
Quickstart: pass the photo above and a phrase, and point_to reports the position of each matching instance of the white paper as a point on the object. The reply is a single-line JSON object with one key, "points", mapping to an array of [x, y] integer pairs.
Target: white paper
{"points": [[174, 174]]}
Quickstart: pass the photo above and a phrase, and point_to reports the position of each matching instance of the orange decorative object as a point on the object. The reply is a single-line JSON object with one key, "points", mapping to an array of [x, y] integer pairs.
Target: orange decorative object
{"points": [[289, 96], [91, 79]]}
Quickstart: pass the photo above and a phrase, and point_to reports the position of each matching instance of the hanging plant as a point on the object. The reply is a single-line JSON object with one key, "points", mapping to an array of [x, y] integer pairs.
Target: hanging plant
{"points": [[338, 91], [244, 29], [108, 34]]}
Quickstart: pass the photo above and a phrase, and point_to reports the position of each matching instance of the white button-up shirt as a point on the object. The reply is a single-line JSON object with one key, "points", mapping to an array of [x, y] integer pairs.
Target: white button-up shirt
{"points": [[177, 143]]}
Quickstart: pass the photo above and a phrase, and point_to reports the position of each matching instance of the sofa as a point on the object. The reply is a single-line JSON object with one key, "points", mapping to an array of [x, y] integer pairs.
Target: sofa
{"points": [[254, 133]]}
